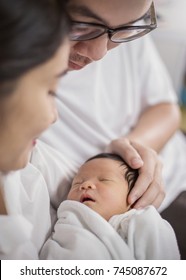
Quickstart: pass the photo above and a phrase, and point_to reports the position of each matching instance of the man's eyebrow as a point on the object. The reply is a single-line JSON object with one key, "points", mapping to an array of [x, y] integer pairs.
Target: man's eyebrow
{"points": [[85, 11]]}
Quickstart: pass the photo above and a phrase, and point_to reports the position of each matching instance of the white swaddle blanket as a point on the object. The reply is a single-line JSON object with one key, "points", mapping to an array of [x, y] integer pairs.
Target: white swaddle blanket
{"points": [[148, 236], [81, 233]]}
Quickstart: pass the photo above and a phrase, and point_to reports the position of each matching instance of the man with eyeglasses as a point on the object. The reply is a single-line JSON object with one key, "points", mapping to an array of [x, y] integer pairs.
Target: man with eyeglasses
{"points": [[122, 102]]}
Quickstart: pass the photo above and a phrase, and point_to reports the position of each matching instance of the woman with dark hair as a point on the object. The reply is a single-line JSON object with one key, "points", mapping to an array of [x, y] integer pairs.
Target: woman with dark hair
{"points": [[34, 52]]}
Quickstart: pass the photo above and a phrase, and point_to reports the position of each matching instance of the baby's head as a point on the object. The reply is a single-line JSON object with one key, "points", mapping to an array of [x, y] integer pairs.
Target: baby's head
{"points": [[103, 183]]}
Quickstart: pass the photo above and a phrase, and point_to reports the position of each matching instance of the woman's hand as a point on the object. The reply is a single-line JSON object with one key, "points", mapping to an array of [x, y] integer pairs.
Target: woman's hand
{"points": [[2, 203], [149, 188]]}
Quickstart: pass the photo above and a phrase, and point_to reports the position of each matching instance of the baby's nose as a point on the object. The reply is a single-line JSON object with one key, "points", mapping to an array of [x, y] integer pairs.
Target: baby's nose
{"points": [[87, 185]]}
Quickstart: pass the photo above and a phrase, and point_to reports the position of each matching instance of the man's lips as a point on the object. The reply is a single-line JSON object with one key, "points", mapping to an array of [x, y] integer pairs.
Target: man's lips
{"points": [[75, 66], [86, 197]]}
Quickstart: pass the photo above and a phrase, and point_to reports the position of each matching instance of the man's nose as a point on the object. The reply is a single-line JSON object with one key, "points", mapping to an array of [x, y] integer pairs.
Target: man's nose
{"points": [[88, 185], [94, 49]]}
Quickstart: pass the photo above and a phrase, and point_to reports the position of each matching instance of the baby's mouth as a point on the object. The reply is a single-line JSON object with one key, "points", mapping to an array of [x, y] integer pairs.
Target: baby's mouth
{"points": [[86, 197]]}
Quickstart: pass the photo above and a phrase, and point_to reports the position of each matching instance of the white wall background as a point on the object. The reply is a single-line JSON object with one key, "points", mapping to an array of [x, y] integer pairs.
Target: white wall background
{"points": [[170, 38]]}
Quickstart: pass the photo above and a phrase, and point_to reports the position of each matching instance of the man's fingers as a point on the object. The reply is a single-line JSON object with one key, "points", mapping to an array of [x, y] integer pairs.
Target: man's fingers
{"points": [[129, 153], [148, 188], [145, 179], [139, 188], [153, 194]]}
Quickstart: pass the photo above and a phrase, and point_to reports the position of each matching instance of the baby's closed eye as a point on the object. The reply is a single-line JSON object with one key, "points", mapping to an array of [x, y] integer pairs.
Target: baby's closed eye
{"points": [[102, 179]]}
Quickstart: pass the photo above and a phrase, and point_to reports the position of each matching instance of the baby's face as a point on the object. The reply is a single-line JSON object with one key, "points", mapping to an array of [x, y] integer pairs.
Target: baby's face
{"points": [[100, 184]]}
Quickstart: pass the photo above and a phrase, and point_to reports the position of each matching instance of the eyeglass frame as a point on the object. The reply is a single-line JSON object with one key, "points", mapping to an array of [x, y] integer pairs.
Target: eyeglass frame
{"points": [[111, 31]]}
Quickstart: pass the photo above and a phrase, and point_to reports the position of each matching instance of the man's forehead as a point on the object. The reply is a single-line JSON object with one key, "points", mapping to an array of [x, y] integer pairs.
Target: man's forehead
{"points": [[110, 12]]}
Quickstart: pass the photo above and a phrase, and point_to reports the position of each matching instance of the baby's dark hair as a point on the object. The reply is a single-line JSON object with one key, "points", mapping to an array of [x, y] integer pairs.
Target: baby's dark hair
{"points": [[131, 174]]}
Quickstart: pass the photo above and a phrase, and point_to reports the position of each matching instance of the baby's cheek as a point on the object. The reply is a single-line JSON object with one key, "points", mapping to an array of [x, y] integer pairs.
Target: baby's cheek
{"points": [[69, 196], [72, 195]]}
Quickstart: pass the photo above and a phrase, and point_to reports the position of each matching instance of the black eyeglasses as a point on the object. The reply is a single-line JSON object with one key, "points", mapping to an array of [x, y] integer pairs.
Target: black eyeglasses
{"points": [[83, 31]]}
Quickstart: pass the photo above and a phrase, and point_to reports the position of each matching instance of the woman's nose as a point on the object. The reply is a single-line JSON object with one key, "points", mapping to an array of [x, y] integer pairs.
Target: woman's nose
{"points": [[87, 185]]}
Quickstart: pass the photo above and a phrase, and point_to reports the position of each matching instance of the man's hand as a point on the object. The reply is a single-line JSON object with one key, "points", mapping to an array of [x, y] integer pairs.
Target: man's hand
{"points": [[149, 188]]}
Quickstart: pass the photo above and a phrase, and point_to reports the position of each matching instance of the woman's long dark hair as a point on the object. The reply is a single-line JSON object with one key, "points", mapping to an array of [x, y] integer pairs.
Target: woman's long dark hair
{"points": [[30, 33]]}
